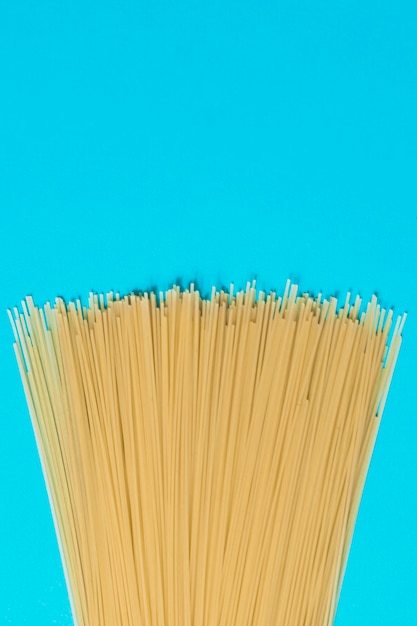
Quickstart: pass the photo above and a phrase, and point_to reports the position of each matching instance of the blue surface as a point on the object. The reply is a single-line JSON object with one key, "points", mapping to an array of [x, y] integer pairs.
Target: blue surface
{"points": [[221, 141]]}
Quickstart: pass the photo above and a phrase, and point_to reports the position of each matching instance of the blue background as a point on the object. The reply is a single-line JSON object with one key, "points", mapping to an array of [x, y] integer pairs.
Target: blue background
{"points": [[220, 141]]}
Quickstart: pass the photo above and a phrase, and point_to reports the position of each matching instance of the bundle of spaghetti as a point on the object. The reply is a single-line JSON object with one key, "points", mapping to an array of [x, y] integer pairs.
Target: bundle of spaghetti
{"points": [[205, 457]]}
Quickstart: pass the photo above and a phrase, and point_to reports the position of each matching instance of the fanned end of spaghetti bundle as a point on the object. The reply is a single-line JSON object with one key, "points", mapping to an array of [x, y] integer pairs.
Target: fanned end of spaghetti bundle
{"points": [[205, 457]]}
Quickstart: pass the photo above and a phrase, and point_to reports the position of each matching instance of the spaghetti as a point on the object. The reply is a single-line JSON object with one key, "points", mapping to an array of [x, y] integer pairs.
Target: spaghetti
{"points": [[205, 458]]}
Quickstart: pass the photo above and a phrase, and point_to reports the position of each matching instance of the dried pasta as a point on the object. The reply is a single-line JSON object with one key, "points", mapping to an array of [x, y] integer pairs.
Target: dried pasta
{"points": [[205, 457]]}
